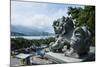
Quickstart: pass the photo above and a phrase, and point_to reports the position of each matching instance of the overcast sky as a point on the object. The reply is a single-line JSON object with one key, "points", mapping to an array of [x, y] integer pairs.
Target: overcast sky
{"points": [[39, 15]]}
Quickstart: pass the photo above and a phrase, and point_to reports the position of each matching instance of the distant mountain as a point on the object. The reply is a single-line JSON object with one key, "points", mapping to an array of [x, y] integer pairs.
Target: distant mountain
{"points": [[17, 34], [24, 31]]}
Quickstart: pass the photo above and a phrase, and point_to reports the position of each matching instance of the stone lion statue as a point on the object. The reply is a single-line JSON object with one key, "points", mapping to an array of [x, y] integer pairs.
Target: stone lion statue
{"points": [[79, 42], [73, 41], [63, 28]]}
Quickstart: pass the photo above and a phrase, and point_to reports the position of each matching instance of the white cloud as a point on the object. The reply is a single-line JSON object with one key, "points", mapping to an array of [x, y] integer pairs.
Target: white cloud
{"points": [[36, 14], [42, 21]]}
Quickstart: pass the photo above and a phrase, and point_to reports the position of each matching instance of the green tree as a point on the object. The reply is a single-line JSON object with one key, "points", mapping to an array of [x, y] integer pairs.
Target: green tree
{"points": [[84, 16]]}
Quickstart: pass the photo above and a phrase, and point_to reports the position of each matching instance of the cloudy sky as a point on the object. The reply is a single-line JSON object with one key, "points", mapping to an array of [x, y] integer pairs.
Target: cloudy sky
{"points": [[37, 15]]}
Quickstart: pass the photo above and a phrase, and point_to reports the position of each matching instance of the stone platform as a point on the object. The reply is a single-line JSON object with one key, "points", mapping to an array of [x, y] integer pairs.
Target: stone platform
{"points": [[60, 58]]}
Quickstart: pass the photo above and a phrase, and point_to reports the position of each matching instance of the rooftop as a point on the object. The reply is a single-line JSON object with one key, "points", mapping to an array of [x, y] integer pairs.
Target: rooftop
{"points": [[23, 56]]}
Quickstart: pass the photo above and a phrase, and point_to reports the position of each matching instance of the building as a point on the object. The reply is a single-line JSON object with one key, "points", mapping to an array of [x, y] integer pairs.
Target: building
{"points": [[25, 58]]}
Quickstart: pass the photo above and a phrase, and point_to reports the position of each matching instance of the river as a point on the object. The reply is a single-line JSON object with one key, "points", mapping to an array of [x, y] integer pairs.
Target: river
{"points": [[32, 37]]}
